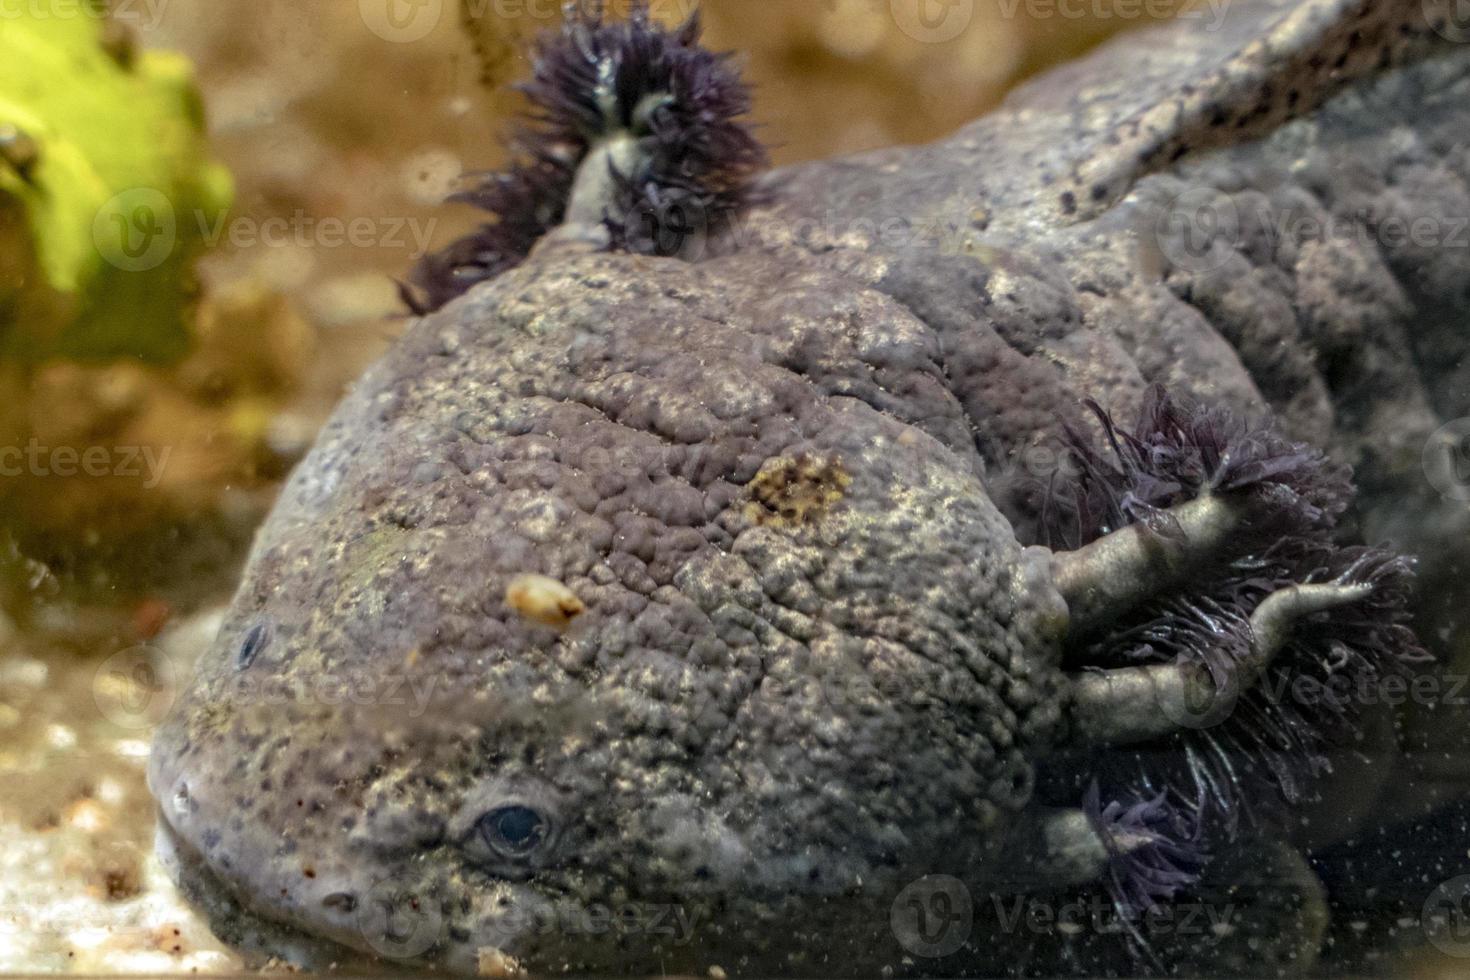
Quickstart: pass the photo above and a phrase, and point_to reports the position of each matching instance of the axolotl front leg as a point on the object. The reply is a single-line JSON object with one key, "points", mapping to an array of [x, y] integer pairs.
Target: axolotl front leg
{"points": [[1101, 583], [1106, 579]]}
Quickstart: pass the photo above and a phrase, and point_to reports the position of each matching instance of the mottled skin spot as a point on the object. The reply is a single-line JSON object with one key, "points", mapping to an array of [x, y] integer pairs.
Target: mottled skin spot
{"points": [[794, 492], [820, 657]]}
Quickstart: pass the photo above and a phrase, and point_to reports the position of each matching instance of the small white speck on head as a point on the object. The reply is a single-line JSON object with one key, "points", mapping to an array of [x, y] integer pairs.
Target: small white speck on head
{"points": [[543, 600]]}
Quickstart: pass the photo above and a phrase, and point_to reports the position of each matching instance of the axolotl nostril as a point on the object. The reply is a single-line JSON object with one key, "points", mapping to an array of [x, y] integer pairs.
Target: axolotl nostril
{"points": [[648, 609]]}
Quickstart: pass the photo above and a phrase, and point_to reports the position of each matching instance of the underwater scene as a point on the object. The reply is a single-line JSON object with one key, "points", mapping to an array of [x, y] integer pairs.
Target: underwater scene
{"points": [[735, 488]]}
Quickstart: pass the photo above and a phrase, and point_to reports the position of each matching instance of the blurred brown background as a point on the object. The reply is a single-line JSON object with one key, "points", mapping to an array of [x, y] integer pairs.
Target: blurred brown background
{"points": [[372, 108]]}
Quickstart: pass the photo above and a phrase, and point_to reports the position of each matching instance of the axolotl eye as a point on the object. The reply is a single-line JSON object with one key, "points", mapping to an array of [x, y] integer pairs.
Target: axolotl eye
{"points": [[514, 831], [511, 828], [514, 838]]}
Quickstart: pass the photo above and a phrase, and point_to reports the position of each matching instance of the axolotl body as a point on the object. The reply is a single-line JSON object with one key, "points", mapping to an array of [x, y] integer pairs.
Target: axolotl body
{"points": [[825, 639]]}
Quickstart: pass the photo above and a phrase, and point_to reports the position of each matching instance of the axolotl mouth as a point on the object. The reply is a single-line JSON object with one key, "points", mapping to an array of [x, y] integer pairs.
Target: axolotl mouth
{"points": [[312, 918], [257, 936], [397, 928]]}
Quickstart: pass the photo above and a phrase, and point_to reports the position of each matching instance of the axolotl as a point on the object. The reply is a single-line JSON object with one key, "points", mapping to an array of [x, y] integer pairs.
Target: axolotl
{"points": [[792, 557]]}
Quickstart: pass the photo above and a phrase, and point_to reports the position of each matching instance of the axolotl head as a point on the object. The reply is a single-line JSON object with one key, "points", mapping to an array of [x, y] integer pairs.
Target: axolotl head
{"points": [[808, 659]]}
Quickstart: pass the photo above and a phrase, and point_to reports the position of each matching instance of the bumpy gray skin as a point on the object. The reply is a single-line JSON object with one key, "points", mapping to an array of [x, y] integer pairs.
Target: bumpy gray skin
{"points": [[1046, 282], [744, 709], [776, 722]]}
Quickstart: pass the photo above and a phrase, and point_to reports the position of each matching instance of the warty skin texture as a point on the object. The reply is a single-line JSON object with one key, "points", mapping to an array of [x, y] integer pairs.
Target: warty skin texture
{"points": [[1315, 302], [778, 707], [751, 706]]}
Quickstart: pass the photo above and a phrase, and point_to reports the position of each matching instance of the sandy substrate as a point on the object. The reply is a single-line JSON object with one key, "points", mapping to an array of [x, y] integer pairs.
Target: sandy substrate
{"points": [[80, 888]]}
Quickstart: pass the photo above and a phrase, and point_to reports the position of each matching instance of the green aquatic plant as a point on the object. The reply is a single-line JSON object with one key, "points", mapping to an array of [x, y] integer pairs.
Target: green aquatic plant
{"points": [[104, 171]]}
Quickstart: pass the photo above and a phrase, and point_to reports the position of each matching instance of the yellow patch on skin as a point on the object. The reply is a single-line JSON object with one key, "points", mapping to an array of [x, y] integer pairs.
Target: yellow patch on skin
{"points": [[795, 491], [543, 600]]}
